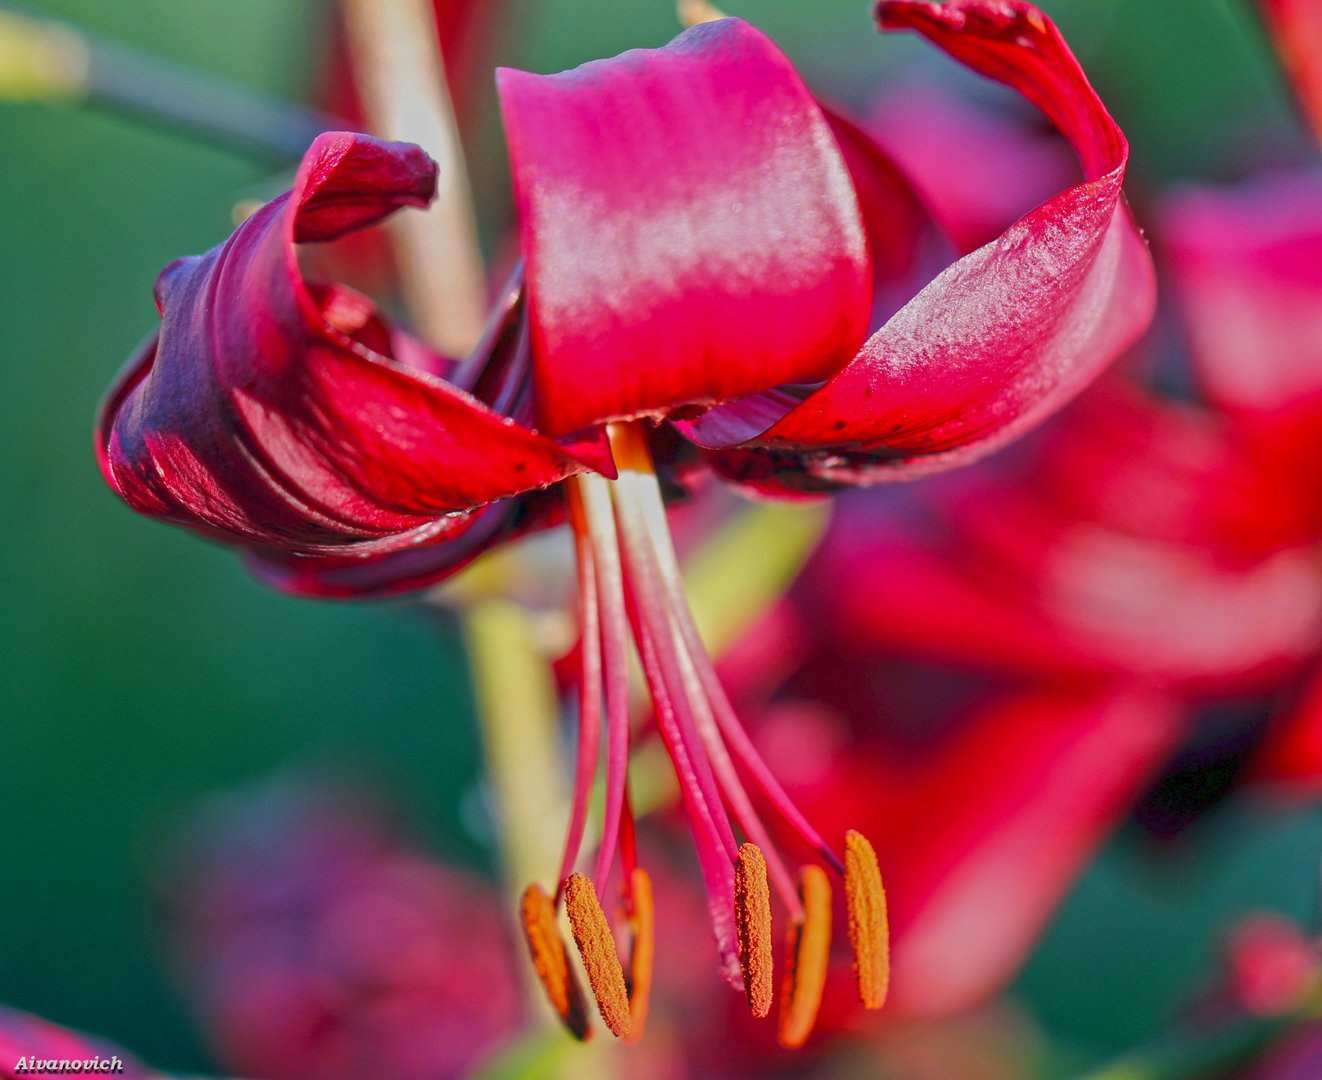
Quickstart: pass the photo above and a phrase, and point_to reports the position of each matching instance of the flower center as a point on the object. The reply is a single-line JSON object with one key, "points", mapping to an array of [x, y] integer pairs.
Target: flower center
{"points": [[630, 587]]}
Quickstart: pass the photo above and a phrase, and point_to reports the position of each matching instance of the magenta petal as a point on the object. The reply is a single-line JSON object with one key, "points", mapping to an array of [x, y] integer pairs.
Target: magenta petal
{"points": [[267, 411], [690, 229], [1012, 330], [1247, 267], [1037, 781]]}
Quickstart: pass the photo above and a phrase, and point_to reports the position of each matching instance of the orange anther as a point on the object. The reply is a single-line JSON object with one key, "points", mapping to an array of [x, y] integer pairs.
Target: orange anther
{"points": [[808, 950], [642, 930], [752, 909], [596, 945], [869, 931], [551, 959]]}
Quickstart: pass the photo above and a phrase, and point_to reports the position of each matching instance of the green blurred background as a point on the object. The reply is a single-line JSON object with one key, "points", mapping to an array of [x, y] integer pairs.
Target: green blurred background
{"points": [[143, 669]]}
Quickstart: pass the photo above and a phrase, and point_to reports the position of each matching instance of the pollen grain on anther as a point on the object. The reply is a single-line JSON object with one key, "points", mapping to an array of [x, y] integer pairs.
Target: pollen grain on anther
{"points": [[596, 945], [642, 930], [808, 949], [869, 930], [752, 901], [550, 958]]}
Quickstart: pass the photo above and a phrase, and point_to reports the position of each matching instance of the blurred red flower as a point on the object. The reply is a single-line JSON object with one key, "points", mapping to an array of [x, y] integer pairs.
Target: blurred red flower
{"points": [[316, 944]]}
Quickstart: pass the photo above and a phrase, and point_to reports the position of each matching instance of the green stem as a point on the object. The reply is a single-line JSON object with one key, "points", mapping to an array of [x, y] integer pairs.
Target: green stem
{"points": [[517, 716]]}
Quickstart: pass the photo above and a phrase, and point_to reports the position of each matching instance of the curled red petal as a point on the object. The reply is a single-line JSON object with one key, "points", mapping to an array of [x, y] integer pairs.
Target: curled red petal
{"points": [[278, 414], [691, 232], [1012, 330]]}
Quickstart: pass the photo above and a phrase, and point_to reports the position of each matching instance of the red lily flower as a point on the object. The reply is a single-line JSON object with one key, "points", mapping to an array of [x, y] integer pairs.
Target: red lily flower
{"points": [[700, 239]]}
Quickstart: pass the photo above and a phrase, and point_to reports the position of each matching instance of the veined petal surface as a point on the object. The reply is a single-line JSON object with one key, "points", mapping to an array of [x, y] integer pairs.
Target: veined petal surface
{"points": [[691, 231]]}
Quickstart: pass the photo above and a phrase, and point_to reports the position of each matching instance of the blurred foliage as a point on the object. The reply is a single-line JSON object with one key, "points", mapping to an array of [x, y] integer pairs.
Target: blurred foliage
{"points": [[143, 669]]}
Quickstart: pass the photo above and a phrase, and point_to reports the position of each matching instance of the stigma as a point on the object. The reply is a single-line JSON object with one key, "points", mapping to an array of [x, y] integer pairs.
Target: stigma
{"points": [[631, 593]]}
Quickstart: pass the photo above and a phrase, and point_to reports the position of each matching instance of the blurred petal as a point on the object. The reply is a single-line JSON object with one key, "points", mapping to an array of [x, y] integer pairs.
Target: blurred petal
{"points": [[1128, 539], [24, 1036], [978, 168], [1296, 26], [1039, 780], [1247, 266]]}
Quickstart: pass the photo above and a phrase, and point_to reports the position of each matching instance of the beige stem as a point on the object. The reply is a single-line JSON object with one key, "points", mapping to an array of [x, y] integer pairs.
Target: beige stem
{"points": [[398, 69]]}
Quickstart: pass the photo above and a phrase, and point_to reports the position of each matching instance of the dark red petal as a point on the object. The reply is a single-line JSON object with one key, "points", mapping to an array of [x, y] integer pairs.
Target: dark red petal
{"points": [[410, 569], [267, 411], [689, 225], [1010, 331], [906, 243], [1289, 758]]}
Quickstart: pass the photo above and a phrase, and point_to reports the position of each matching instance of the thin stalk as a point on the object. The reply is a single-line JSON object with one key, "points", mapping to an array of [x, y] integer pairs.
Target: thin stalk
{"points": [[589, 686], [680, 665], [600, 519], [736, 738], [647, 591], [45, 60], [397, 64], [518, 720]]}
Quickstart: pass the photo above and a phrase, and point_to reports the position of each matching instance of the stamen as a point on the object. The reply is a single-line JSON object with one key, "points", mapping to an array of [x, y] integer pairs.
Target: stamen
{"points": [[596, 945], [752, 901], [629, 446], [869, 930], [550, 958], [807, 951], [717, 874], [589, 683], [643, 931], [614, 627]]}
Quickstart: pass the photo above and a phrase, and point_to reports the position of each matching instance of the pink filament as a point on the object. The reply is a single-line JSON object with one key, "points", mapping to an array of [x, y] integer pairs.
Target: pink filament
{"points": [[600, 521], [736, 737], [589, 687]]}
